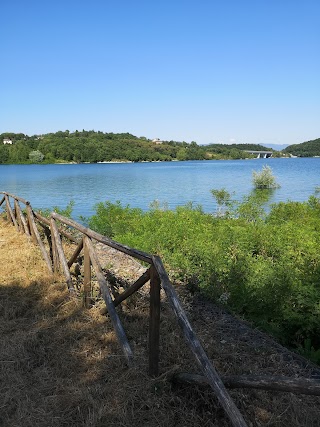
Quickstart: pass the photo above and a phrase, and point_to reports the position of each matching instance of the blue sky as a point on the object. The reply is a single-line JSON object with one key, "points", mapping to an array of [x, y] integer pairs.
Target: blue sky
{"points": [[210, 71]]}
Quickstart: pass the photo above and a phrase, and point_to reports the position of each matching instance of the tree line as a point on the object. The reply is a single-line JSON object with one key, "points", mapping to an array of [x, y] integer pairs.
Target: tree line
{"points": [[95, 146], [306, 149]]}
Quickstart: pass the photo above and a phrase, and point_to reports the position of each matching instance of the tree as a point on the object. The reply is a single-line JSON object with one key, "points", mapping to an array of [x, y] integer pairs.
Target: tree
{"points": [[36, 156], [224, 202], [264, 178]]}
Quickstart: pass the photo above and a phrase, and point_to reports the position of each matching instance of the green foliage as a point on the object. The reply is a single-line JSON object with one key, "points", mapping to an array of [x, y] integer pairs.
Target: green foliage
{"points": [[67, 211], [224, 202], [306, 149], [113, 219], [252, 206], [264, 179], [156, 205], [308, 351], [36, 156], [266, 270], [90, 146]]}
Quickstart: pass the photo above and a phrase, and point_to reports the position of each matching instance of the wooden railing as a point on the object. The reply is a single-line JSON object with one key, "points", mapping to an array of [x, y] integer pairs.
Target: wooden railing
{"points": [[27, 221]]}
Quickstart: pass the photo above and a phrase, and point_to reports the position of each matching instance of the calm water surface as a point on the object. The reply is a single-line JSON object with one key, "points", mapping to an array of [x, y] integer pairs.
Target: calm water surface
{"points": [[138, 184]]}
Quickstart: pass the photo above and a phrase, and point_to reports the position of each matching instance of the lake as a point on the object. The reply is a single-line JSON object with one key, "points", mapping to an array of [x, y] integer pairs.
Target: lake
{"points": [[138, 184]]}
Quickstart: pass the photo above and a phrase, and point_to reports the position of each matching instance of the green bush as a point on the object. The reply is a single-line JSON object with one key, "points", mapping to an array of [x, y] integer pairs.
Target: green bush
{"points": [[264, 179], [265, 268]]}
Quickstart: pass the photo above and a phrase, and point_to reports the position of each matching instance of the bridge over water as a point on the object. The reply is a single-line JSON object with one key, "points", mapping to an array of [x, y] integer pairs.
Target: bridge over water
{"points": [[260, 154]]}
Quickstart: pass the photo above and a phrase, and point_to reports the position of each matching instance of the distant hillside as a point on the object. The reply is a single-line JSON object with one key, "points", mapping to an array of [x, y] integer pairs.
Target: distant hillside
{"points": [[234, 151], [254, 147], [92, 147], [305, 149]]}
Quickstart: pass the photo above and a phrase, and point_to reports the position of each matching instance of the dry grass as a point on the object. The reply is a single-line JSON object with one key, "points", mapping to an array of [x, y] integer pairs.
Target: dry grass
{"points": [[61, 364]]}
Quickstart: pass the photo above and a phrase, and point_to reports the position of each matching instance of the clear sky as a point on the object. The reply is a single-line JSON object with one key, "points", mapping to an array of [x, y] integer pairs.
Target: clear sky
{"points": [[245, 71]]}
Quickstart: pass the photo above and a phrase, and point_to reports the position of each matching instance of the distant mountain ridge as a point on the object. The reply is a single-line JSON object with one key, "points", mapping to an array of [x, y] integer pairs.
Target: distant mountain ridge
{"points": [[278, 147]]}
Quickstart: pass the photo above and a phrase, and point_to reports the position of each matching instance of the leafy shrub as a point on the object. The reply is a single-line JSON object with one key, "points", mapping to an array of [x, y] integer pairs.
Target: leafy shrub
{"points": [[265, 268], [224, 202], [264, 178], [36, 156], [67, 211]]}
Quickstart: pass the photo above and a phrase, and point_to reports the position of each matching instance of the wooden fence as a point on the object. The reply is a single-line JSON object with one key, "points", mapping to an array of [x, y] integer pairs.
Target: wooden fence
{"points": [[27, 220]]}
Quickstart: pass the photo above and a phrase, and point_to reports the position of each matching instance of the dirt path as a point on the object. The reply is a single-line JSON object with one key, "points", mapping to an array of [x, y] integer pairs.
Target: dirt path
{"points": [[61, 364]]}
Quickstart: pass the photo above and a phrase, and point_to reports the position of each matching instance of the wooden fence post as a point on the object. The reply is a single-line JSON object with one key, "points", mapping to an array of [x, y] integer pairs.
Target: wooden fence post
{"points": [[154, 322], [17, 215], [23, 222], [10, 214], [87, 277], [59, 254], [55, 254], [37, 238], [31, 224]]}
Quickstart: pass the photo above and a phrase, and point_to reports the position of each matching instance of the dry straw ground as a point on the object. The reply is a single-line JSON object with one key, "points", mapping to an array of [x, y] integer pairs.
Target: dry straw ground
{"points": [[61, 364]]}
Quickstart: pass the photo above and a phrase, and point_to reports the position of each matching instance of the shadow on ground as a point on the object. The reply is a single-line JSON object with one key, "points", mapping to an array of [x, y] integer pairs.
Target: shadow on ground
{"points": [[61, 365]]}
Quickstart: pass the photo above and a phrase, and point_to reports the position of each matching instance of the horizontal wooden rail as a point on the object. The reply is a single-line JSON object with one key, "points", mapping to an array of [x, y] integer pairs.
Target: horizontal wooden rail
{"points": [[103, 239], [16, 197], [290, 385]]}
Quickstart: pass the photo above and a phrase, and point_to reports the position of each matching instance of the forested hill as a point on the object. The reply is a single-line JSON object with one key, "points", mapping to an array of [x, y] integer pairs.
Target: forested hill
{"points": [[92, 146], [306, 149]]}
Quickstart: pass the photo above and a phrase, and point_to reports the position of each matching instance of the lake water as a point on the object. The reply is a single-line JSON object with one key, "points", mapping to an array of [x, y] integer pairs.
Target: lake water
{"points": [[138, 184]]}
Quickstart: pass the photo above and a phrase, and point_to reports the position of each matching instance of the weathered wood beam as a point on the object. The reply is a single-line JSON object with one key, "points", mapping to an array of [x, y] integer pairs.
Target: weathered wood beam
{"points": [[54, 253], [286, 384], [63, 262], [23, 222], [10, 213], [133, 288], [76, 253], [103, 239], [46, 221], [47, 232], [2, 200], [154, 322], [201, 357], [108, 300], [17, 215], [31, 224], [87, 277], [25, 202], [36, 237]]}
